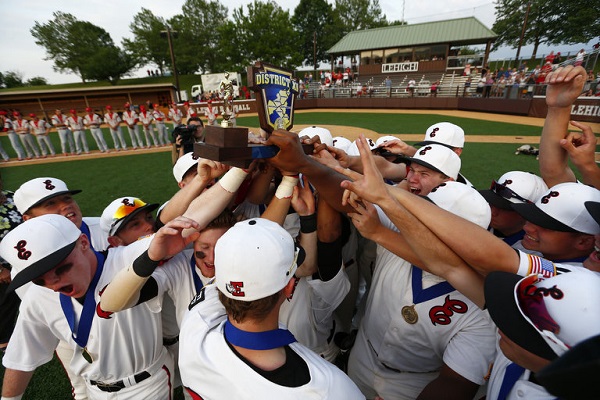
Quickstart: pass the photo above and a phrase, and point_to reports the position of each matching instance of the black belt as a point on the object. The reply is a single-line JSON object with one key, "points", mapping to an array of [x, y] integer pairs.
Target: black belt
{"points": [[116, 386]]}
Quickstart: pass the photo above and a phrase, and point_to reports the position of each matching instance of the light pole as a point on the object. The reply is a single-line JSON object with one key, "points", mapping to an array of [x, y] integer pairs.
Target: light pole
{"points": [[168, 34]]}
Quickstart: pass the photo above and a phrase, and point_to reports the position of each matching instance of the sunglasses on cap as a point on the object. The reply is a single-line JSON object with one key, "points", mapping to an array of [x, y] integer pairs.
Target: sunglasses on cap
{"points": [[127, 208], [530, 299], [506, 193]]}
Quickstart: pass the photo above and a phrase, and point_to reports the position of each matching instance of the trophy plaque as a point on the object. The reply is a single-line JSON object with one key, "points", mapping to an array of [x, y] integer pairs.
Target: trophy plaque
{"points": [[275, 93]]}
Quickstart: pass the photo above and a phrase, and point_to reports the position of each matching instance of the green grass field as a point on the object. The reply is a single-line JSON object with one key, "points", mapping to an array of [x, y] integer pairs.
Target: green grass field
{"points": [[149, 176]]}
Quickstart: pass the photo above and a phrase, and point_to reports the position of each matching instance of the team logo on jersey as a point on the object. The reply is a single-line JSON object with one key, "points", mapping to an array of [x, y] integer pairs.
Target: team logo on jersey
{"points": [[99, 311], [22, 252], [441, 315], [199, 298], [49, 184], [547, 197], [235, 288]]}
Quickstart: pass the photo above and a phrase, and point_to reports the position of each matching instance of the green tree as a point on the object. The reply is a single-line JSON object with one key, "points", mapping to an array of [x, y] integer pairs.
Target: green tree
{"points": [[266, 33], [37, 81], [13, 79], [314, 19], [354, 15], [564, 22], [109, 64], [147, 45], [71, 43]]}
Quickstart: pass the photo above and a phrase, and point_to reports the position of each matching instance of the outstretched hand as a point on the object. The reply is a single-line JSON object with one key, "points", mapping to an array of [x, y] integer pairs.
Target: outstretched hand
{"points": [[168, 240], [565, 84]]}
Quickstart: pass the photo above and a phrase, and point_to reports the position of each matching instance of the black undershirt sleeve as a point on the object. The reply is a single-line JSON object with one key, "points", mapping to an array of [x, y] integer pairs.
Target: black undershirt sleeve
{"points": [[329, 259]]}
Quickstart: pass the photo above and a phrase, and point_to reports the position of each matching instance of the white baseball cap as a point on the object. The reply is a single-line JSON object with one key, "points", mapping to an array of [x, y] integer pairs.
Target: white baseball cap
{"points": [[562, 208], [444, 133], [515, 187], [383, 139], [38, 245], [120, 211], [323, 134], [353, 148], [38, 190], [255, 259], [183, 165], [545, 316], [462, 200], [340, 142], [438, 158]]}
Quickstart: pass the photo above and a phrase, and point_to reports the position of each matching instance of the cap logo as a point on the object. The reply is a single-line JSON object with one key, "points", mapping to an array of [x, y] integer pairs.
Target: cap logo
{"points": [[507, 182], [423, 151], [371, 143], [554, 292], [49, 185], [23, 253], [547, 197], [432, 134], [235, 288], [195, 157], [127, 203]]}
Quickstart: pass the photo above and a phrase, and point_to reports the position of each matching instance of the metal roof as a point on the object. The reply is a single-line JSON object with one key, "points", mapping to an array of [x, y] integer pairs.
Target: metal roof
{"points": [[459, 31]]}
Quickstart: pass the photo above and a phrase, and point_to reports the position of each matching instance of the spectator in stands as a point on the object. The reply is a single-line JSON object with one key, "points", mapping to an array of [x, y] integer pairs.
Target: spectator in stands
{"points": [[558, 58], [550, 57], [411, 87], [434, 88], [579, 57], [388, 85]]}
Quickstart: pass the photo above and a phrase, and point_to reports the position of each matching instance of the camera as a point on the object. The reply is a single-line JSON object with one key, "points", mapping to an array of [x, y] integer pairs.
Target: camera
{"points": [[187, 134]]}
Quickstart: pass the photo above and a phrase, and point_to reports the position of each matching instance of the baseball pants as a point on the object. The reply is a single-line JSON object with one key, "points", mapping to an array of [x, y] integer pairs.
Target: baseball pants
{"points": [[16, 145], [136, 138], [45, 145], [99, 138], [66, 141], [118, 138], [81, 141], [29, 144]]}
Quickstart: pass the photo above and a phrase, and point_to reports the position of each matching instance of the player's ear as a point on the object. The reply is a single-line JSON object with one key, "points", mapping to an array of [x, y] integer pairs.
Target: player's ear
{"points": [[289, 288], [115, 241]]}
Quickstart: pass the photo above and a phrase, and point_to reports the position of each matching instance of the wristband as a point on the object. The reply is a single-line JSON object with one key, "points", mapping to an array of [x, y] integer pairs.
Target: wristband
{"points": [[232, 180], [144, 266], [286, 187], [308, 223]]}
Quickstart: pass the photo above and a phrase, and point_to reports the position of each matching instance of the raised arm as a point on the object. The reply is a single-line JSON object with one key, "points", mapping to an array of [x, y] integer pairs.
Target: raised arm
{"points": [[581, 148], [565, 84]]}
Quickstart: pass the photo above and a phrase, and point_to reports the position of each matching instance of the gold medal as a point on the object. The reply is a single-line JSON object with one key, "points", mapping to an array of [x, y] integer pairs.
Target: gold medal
{"points": [[410, 314], [86, 355]]}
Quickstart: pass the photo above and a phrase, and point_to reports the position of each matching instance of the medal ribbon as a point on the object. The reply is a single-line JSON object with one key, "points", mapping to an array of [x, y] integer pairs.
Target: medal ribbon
{"points": [[258, 340], [89, 308], [197, 282], [511, 375], [421, 295]]}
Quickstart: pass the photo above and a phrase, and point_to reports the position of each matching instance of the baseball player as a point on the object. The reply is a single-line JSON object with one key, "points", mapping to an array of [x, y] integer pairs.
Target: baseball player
{"points": [[8, 127], [131, 119], [3, 152], [77, 127], [146, 120], [159, 123], [59, 121], [40, 129], [237, 318], [211, 113], [175, 115], [114, 125], [93, 121], [24, 131], [54, 254], [189, 112]]}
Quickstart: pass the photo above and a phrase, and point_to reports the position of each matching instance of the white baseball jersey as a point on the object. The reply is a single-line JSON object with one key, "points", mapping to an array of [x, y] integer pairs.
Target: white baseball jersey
{"points": [[121, 344], [92, 120], [211, 114], [211, 369], [523, 389], [176, 115], [309, 315], [76, 123], [159, 116], [145, 117], [130, 117], [191, 112], [112, 119], [59, 121], [410, 329], [39, 126], [21, 126], [8, 125]]}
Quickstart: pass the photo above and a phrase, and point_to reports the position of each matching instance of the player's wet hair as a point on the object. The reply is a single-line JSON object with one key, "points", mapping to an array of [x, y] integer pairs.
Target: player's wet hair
{"points": [[239, 311]]}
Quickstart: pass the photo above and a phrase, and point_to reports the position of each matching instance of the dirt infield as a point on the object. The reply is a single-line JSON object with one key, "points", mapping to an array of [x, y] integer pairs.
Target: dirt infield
{"points": [[349, 132]]}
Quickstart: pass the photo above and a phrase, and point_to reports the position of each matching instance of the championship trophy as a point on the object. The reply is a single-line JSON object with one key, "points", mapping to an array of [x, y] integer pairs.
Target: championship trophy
{"points": [[275, 93]]}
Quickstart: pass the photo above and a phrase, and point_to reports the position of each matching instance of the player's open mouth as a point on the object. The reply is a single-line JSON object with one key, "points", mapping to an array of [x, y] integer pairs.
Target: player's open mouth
{"points": [[531, 238], [209, 265], [66, 289], [70, 215], [414, 190]]}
